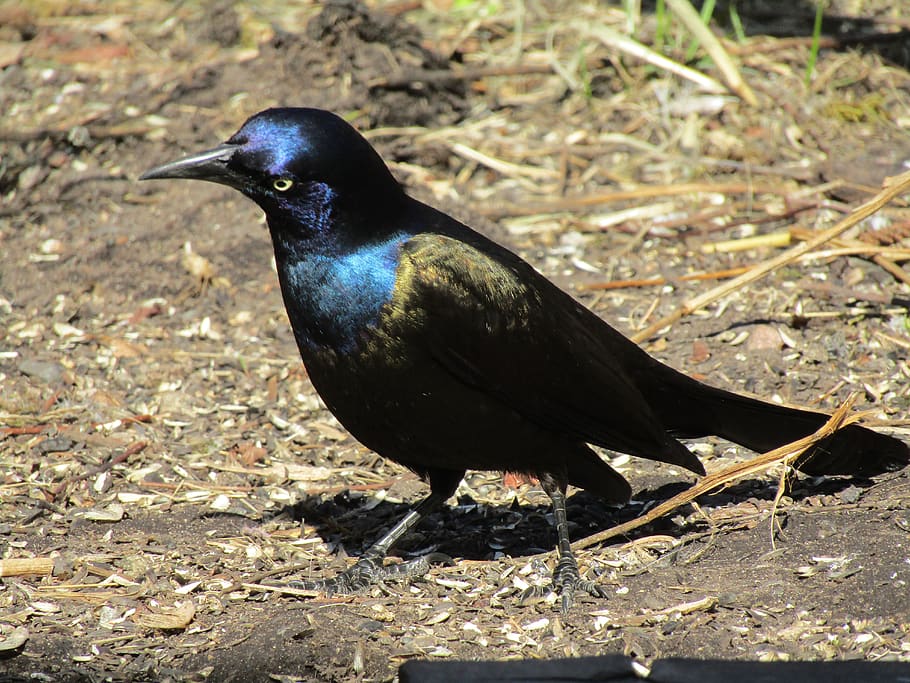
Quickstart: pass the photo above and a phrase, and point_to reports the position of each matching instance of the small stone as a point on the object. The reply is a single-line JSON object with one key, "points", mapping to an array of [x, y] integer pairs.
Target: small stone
{"points": [[48, 372], [764, 337], [851, 494], [55, 444]]}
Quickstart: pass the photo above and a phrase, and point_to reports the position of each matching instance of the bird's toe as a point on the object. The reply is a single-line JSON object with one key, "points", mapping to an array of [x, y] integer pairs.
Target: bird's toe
{"points": [[566, 582], [369, 571]]}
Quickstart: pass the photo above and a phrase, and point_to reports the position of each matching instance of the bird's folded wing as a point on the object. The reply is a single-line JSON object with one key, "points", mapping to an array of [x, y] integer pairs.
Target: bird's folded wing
{"points": [[500, 327]]}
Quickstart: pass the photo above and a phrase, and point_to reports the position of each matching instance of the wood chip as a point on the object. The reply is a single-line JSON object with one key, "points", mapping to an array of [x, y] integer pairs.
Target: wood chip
{"points": [[12, 637], [168, 618], [26, 566]]}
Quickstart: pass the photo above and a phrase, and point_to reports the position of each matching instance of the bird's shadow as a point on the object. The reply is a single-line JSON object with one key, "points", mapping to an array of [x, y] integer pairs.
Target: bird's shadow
{"points": [[475, 531]]}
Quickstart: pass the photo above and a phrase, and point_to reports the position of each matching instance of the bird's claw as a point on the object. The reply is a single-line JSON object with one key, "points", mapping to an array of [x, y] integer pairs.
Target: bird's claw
{"points": [[566, 581], [364, 573], [368, 571]]}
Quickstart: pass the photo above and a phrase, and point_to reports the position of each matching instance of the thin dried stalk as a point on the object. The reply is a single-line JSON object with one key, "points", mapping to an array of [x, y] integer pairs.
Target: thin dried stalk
{"points": [[657, 281], [638, 194], [883, 256], [625, 44], [688, 16], [771, 239]]}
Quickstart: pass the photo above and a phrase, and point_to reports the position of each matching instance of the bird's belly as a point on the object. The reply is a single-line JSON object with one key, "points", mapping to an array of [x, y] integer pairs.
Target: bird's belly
{"points": [[408, 408]]}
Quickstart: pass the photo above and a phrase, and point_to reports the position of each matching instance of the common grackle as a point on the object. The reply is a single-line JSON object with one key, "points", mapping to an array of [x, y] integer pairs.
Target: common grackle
{"points": [[442, 350]]}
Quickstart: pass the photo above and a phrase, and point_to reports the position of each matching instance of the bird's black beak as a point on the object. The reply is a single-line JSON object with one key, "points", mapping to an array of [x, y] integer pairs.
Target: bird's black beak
{"points": [[211, 165]]}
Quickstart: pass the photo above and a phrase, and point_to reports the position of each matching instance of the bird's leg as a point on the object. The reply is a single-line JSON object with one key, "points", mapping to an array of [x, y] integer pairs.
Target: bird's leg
{"points": [[566, 578], [369, 570]]}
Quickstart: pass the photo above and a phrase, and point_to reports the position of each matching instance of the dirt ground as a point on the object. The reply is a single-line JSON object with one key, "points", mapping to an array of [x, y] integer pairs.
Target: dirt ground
{"points": [[164, 457]]}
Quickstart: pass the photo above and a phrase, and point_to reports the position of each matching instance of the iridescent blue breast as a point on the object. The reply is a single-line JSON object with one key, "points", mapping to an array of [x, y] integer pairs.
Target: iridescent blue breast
{"points": [[339, 297]]}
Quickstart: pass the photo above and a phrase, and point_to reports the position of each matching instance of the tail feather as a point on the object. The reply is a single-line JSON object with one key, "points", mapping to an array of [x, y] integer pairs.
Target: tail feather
{"points": [[691, 409], [587, 470]]}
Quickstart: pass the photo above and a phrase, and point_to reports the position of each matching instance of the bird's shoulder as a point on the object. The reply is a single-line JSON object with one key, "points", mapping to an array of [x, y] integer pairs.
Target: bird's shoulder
{"points": [[463, 271]]}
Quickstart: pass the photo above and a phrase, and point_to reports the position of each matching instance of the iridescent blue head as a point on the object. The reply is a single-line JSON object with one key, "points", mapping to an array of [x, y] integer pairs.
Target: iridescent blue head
{"points": [[331, 205], [299, 165]]}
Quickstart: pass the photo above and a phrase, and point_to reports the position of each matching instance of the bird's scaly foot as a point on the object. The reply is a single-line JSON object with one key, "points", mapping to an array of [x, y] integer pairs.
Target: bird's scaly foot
{"points": [[566, 582], [368, 571]]}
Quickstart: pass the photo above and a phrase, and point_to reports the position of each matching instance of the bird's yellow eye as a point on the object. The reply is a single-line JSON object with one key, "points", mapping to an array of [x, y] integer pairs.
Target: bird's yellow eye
{"points": [[282, 184]]}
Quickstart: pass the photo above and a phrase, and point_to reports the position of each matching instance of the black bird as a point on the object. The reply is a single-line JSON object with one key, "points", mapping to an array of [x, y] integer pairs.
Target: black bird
{"points": [[443, 351]]}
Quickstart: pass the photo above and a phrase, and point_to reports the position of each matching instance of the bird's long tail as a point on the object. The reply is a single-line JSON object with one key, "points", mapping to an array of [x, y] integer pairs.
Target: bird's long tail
{"points": [[692, 409]]}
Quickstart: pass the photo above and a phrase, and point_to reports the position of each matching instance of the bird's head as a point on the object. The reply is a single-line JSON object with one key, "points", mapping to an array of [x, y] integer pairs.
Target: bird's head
{"points": [[290, 160]]}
